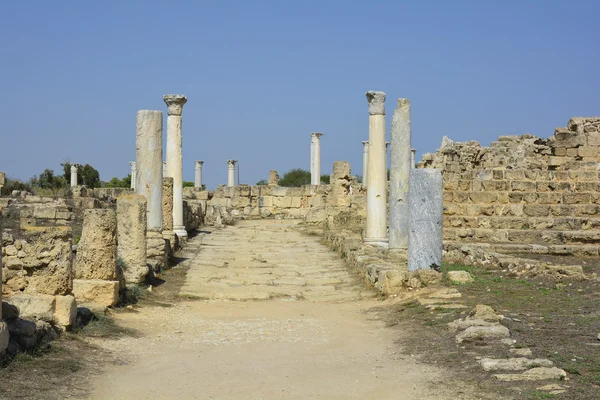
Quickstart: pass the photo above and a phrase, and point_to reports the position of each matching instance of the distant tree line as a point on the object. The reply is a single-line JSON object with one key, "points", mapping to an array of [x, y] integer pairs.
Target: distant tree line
{"points": [[295, 178]]}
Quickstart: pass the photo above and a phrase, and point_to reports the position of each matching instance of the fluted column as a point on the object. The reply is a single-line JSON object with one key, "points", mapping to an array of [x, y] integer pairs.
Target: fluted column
{"points": [[74, 175], [315, 158], [133, 174], [175, 104], [400, 156], [376, 229], [198, 174], [231, 172]]}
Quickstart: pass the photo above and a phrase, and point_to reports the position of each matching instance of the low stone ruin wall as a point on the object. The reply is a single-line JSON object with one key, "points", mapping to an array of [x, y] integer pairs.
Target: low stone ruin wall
{"points": [[524, 194], [314, 203]]}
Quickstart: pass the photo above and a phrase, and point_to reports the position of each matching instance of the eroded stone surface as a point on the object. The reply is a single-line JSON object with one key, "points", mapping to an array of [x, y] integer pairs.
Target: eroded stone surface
{"points": [[131, 218], [97, 250]]}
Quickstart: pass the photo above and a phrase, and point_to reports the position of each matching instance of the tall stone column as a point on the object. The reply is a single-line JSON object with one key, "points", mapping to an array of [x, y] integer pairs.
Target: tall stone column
{"points": [[149, 181], [426, 208], [175, 104], [74, 175], [365, 162], [231, 172], [400, 156], [133, 174], [198, 175], [413, 153], [376, 229], [315, 158], [164, 168]]}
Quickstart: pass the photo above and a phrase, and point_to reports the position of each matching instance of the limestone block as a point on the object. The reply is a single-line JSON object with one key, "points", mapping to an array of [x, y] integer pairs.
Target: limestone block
{"points": [[549, 198], [34, 306], [282, 202], [279, 191], [131, 229], [534, 374], [536, 210], [102, 292], [482, 333], [97, 250], [425, 204], [520, 197], [459, 277], [265, 201], [577, 198], [569, 139], [513, 364], [65, 311], [48, 257], [296, 202], [156, 251], [483, 197]]}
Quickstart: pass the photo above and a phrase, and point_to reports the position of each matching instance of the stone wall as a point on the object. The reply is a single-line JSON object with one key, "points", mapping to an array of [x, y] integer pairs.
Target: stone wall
{"points": [[524, 193], [343, 200]]}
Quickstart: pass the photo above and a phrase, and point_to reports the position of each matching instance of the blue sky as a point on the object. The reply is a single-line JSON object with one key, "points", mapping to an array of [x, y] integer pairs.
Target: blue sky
{"points": [[260, 76]]}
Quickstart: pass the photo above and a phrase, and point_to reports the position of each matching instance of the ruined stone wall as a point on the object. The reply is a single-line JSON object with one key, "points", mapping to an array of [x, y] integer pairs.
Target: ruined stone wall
{"points": [[524, 193], [341, 202]]}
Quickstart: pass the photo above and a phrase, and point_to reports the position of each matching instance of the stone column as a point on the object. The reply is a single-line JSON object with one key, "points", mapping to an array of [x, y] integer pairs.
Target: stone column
{"points": [[400, 156], [2, 180], [413, 153], [164, 168], [273, 178], [149, 181], [365, 162], [131, 236], [426, 209], [149, 164], [73, 175], [133, 174], [376, 229], [315, 158], [198, 175], [167, 210], [175, 104], [231, 173]]}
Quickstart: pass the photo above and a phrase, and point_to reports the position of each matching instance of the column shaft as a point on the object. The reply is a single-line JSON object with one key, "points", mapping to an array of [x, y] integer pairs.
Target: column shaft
{"points": [[198, 175], [315, 158], [133, 174], [365, 162], [73, 175], [376, 229], [400, 155], [148, 154], [231, 173]]}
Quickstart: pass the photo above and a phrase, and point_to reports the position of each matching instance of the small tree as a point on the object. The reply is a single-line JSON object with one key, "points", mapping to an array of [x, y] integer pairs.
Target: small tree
{"points": [[326, 179], [295, 178], [262, 182]]}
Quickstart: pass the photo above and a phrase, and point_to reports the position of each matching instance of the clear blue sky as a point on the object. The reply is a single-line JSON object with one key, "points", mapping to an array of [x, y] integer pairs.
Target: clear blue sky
{"points": [[260, 76]]}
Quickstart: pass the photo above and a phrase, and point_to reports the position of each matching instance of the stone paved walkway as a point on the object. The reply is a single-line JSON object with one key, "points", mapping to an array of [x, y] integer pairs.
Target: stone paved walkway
{"points": [[258, 260]]}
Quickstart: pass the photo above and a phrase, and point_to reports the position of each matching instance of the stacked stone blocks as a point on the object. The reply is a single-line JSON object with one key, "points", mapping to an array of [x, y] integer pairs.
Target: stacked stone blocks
{"points": [[523, 193]]}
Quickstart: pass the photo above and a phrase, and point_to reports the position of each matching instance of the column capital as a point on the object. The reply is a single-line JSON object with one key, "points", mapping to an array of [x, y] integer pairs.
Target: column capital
{"points": [[413, 150], [376, 102], [316, 134], [402, 102], [198, 163], [231, 163], [132, 163], [75, 167], [174, 103]]}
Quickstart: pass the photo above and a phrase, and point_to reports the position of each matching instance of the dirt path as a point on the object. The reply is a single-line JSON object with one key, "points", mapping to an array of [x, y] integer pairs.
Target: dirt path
{"points": [[326, 345]]}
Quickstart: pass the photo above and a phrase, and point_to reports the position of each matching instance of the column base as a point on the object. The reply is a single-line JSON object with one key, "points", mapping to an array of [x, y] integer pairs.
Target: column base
{"points": [[181, 233], [172, 241], [381, 242]]}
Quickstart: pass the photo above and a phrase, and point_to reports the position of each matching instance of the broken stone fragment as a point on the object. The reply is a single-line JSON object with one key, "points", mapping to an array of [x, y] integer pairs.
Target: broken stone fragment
{"points": [[459, 277], [483, 333], [534, 374], [514, 364]]}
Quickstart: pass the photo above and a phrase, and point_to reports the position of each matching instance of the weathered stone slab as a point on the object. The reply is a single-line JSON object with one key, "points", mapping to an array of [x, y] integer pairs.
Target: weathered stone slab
{"points": [[96, 291], [65, 311], [131, 219], [97, 250], [426, 207], [34, 306]]}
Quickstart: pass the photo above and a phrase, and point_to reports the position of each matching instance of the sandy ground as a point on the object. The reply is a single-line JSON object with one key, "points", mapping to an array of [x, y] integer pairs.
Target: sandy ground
{"points": [[282, 348]]}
